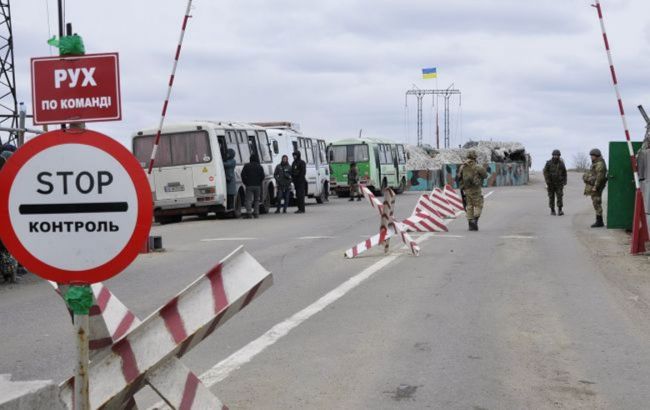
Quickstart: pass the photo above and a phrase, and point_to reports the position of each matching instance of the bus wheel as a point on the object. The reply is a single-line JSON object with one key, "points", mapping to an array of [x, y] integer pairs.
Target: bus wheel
{"points": [[402, 187], [324, 194], [163, 220]]}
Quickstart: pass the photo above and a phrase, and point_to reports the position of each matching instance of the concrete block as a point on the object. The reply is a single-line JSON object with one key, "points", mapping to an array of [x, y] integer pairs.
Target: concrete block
{"points": [[29, 395]]}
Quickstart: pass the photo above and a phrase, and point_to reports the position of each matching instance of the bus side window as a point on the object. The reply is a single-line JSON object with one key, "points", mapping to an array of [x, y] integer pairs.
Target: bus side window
{"points": [[244, 148], [263, 146], [232, 143], [221, 139], [309, 149], [295, 146]]}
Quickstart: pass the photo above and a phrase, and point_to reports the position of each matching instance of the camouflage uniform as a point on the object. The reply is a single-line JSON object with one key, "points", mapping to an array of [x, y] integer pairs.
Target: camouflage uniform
{"points": [[556, 178], [595, 181], [470, 181]]}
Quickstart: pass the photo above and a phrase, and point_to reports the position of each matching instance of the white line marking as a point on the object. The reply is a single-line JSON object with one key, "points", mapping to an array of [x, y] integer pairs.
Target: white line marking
{"points": [[222, 369], [517, 237], [227, 239], [244, 355], [448, 236], [316, 237]]}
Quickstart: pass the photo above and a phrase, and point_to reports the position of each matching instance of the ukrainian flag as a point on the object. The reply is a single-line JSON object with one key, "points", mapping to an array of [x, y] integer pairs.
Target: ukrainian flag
{"points": [[429, 73]]}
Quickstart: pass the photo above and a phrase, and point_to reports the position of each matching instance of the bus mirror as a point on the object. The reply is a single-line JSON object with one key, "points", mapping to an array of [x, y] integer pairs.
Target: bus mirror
{"points": [[330, 156], [408, 156], [276, 149]]}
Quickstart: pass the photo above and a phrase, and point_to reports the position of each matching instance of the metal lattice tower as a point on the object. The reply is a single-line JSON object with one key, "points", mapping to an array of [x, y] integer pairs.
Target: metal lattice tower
{"points": [[447, 93], [8, 101]]}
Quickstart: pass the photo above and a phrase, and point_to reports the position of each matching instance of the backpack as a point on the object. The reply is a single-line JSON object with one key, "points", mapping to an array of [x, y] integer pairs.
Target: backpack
{"points": [[470, 177]]}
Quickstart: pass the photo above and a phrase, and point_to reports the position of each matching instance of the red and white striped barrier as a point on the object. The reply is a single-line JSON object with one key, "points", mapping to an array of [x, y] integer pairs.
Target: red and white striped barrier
{"points": [[454, 198], [389, 227], [374, 202], [109, 319], [169, 87], [149, 352], [425, 217], [441, 203]]}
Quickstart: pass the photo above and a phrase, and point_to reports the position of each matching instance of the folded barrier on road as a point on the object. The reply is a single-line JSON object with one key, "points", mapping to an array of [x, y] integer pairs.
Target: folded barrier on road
{"points": [[129, 354], [389, 226], [425, 217], [454, 198], [439, 200]]}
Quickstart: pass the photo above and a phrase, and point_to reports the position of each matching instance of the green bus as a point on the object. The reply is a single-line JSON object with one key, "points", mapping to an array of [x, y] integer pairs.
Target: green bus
{"points": [[381, 164]]}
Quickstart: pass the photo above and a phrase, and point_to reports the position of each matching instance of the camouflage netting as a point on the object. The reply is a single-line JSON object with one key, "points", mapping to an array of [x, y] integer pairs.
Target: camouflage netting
{"points": [[486, 151]]}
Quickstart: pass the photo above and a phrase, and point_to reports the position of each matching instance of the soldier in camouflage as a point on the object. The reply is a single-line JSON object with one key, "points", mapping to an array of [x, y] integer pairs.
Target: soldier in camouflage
{"points": [[595, 180], [555, 177], [471, 180]]}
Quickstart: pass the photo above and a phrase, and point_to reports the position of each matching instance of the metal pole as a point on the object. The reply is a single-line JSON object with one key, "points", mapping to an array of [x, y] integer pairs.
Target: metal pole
{"points": [[447, 141], [169, 89], [60, 18], [81, 384], [618, 96], [420, 96], [21, 124]]}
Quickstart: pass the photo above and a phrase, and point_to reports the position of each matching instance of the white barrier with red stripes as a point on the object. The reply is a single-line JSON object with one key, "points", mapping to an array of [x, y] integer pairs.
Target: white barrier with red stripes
{"points": [[454, 198], [374, 202], [388, 226], [441, 203], [169, 87], [148, 353]]}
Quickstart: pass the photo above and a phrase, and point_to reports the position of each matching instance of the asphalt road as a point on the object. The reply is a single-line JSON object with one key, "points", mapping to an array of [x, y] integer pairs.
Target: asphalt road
{"points": [[533, 311]]}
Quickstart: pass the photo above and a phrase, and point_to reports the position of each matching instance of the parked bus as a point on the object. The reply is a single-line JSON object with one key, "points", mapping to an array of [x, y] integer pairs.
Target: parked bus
{"points": [[381, 164], [188, 176], [286, 138]]}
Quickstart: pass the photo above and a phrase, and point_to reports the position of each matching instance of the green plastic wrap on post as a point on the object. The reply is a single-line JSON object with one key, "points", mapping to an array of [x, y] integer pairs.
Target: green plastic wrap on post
{"points": [[79, 299], [68, 45]]}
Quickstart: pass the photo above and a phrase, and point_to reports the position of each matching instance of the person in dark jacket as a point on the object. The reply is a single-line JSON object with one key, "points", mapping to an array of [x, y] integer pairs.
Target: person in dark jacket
{"points": [[282, 176], [231, 182], [556, 179], [353, 181], [252, 175], [298, 172]]}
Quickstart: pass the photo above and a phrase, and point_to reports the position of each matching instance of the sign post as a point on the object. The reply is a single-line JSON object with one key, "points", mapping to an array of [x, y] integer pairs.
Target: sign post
{"points": [[75, 208]]}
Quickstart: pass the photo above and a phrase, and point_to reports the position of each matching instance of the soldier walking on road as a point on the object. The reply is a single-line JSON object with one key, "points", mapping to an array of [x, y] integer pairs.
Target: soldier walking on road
{"points": [[298, 175], [471, 182], [556, 179], [252, 175], [595, 180], [353, 181]]}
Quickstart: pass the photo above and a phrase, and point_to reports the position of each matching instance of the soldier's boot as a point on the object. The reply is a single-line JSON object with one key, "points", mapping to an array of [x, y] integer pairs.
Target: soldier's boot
{"points": [[476, 223], [472, 225], [559, 211], [552, 211], [599, 222]]}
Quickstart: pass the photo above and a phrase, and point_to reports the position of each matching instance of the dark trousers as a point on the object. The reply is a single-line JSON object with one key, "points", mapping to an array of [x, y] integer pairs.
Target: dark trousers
{"points": [[283, 194], [300, 195], [555, 191]]}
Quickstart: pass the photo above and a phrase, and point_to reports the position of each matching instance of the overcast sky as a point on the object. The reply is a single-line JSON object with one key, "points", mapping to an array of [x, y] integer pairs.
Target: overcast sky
{"points": [[529, 71]]}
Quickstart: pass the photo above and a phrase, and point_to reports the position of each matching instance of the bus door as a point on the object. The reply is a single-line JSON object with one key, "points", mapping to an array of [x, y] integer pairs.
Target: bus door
{"points": [[393, 149], [252, 143], [221, 139], [375, 149]]}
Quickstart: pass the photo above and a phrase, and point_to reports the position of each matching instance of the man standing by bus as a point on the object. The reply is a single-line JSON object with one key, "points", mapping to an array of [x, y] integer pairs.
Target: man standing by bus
{"points": [[298, 173], [252, 175]]}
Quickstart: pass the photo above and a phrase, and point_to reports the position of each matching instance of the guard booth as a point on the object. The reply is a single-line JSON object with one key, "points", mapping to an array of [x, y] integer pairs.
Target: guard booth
{"points": [[620, 186]]}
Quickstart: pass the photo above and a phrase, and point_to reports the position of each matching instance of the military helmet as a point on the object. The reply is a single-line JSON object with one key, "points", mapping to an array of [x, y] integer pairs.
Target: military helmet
{"points": [[556, 152], [471, 154], [595, 152]]}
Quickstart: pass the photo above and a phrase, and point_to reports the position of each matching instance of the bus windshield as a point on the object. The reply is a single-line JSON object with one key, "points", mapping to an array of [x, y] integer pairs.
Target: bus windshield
{"points": [[349, 153], [183, 148]]}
